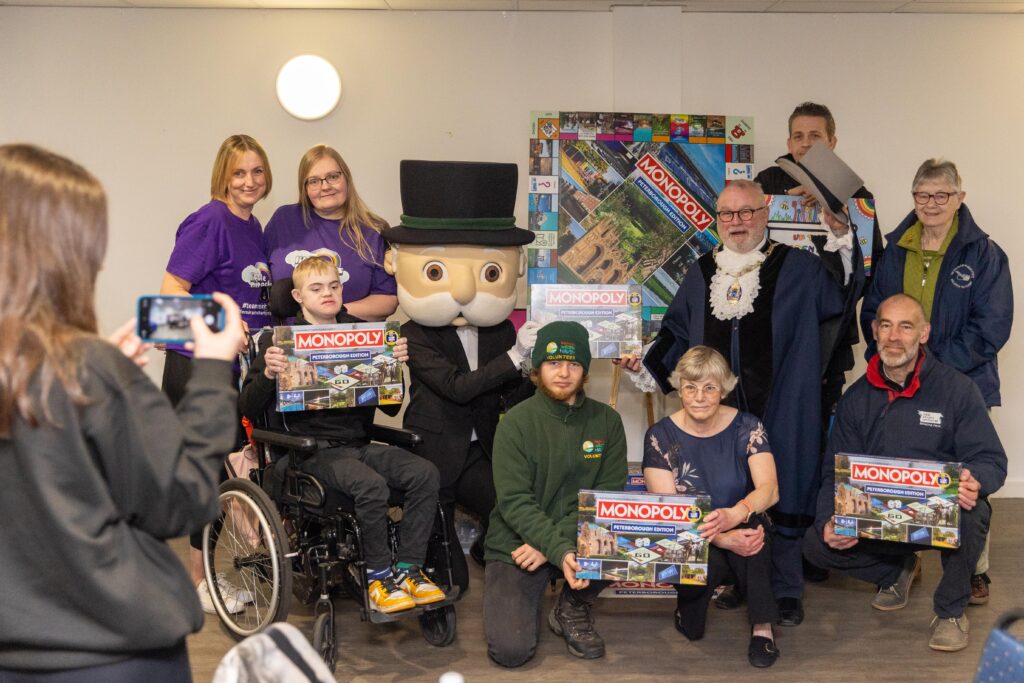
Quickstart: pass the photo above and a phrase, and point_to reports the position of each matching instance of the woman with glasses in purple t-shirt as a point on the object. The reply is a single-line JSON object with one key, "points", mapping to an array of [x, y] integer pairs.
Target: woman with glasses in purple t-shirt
{"points": [[220, 248], [332, 222]]}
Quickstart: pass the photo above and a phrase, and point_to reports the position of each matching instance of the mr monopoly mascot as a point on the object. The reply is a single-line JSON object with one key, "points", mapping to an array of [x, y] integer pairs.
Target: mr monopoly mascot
{"points": [[457, 256]]}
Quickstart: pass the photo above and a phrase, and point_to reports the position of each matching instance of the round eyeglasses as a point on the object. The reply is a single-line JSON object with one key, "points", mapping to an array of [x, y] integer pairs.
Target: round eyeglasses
{"points": [[709, 390], [941, 198], [331, 179]]}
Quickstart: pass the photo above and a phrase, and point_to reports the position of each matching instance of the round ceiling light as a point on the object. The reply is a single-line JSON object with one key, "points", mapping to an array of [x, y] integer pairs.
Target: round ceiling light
{"points": [[308, 87]]}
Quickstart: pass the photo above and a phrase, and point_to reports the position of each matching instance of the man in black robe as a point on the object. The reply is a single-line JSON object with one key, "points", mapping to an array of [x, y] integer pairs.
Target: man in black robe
{"points": [[774, 313]]}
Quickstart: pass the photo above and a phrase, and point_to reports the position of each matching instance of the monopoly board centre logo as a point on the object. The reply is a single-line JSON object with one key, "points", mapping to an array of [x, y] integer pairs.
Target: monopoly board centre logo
{"points": [[647, 512], [586, 297], [904, 476], [338, 339]]}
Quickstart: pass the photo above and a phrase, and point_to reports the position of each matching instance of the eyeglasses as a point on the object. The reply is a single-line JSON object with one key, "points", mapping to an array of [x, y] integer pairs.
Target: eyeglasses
{"points": [[332, 179], [743, 214], [941, 198], [709, 390]]}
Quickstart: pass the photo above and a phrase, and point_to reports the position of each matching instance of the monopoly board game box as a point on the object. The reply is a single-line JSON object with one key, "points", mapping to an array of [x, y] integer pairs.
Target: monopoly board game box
{"points": [[349, 365], [894, 499], [612, 314], [641, 537]]}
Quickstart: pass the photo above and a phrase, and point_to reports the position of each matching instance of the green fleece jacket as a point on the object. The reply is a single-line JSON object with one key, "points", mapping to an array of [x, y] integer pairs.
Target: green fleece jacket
{"points": [[545, 451]]}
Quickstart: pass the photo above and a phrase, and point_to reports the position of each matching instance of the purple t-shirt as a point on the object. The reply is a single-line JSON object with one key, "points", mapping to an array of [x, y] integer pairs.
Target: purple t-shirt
{"points": [[217, 251], [289, 242]]}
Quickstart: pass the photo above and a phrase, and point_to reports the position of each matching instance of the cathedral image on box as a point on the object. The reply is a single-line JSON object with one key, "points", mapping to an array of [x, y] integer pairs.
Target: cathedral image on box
{"points": [[642, 537], [895, 499]]}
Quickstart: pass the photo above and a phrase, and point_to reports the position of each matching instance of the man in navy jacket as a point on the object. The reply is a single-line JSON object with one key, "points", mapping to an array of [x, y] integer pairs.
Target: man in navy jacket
{"points": [[910, 405]]}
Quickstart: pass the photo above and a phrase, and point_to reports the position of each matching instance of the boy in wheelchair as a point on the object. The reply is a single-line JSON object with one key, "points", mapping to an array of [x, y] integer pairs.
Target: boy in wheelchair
{"points": [[348, 462]]}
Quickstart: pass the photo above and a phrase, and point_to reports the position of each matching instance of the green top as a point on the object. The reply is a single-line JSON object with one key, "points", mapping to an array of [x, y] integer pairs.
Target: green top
{"points": [[545, 451], [921, 271]]}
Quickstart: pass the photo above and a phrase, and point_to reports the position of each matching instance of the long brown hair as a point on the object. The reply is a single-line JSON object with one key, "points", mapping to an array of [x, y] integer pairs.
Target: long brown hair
{"points": [[53, 235], [356, 211]]}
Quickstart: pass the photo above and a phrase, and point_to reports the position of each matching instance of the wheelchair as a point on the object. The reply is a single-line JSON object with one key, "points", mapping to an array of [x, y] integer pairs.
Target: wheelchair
{"points": [[283, 533]]}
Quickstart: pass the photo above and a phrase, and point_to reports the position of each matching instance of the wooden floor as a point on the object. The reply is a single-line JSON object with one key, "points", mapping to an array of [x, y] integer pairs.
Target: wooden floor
{"points": [[842, 638]]}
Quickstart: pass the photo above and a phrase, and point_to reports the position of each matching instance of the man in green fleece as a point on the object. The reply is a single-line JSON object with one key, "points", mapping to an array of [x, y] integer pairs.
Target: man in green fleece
{"points": [[546, 449]]}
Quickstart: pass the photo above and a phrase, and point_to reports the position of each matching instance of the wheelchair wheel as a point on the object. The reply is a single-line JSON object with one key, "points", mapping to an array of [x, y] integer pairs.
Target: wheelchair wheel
{"points": [[247, 547], [438, 626], [323, 640]]}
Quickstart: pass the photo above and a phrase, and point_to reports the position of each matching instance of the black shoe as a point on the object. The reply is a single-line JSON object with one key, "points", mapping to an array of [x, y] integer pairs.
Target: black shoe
{"points": [[728, 598], [576, 625], [476, 551], [791, 612], [762, 652], [681, 627], [814, 574]]}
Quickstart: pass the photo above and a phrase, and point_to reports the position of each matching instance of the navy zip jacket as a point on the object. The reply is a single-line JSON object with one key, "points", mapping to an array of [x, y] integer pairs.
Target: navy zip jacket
{"points": [[939, 415], [972, 311]]}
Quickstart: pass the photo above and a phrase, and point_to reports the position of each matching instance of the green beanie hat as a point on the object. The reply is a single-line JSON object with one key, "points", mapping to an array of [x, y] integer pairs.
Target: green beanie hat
{"points": [[562, 340]]}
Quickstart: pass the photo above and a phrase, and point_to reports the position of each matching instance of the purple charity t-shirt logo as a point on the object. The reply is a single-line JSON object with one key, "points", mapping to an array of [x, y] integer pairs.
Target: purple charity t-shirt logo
{"points": [[256, 275], [296, 257]]}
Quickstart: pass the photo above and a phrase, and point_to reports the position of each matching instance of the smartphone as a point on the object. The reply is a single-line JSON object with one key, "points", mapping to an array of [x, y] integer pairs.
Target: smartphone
{"points": [[165, 319]]}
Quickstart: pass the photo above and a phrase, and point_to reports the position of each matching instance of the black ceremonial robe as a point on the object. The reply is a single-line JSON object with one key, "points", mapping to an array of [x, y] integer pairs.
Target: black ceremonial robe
{"points": [[778, 352]]}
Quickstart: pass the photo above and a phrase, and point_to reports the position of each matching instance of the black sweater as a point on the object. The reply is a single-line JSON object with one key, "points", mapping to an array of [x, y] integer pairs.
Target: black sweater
{"points": [[86, 578]]}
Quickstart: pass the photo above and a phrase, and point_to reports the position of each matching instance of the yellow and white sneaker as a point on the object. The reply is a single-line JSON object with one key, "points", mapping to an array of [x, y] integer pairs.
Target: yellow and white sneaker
{"points": [[416, 584], [387, 597]]}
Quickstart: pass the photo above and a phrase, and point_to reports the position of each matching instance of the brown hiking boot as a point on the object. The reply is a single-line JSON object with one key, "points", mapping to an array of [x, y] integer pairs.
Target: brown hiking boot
{"points": [[979, 589]]}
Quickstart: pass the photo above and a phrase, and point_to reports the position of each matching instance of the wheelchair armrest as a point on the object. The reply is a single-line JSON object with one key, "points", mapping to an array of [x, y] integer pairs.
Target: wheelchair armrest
{"points": [[395, 436], [281, 439]]}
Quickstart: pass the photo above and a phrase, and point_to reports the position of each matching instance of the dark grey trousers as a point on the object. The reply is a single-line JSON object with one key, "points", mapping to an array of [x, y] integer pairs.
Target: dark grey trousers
{"points": [[165, 666], [879, 562], [364, 474], [512, 608]]}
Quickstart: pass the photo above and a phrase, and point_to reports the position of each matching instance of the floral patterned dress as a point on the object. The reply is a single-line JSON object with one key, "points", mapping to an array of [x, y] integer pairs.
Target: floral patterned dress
{"points": [[713, 466]]}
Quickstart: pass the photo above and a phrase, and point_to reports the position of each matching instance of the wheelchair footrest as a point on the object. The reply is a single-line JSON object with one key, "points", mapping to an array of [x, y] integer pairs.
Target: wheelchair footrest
{"points": [[375, 617]]}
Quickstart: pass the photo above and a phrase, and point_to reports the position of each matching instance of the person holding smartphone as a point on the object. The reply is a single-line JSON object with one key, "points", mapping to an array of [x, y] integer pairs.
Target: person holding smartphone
{"points": [[331, 221], [220, 248], [99, 469]]}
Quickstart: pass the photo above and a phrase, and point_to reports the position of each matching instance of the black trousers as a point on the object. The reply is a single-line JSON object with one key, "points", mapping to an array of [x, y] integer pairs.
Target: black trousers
{"points": [[512, 608], [473, 490], [879, 562], [752, 575], [364, 474]]}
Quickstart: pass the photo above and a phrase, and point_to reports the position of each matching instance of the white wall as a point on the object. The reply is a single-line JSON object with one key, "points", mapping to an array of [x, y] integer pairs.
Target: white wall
{"points": [[144, 97]]}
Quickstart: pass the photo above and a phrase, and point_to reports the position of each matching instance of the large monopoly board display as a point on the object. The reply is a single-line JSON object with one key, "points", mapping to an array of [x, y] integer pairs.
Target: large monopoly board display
{"points": [[610, 313], [347, 365], [894, 499], [641, 537], [629, 198]]}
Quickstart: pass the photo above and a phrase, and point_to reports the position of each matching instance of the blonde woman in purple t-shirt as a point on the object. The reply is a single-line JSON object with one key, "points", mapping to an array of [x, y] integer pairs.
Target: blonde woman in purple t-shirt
{"points": [[332, 222], [220, 248]]}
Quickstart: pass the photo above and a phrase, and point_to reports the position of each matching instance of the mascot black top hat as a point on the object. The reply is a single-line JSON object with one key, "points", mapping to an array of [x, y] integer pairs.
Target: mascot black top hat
{"points": [[458, 202]]}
